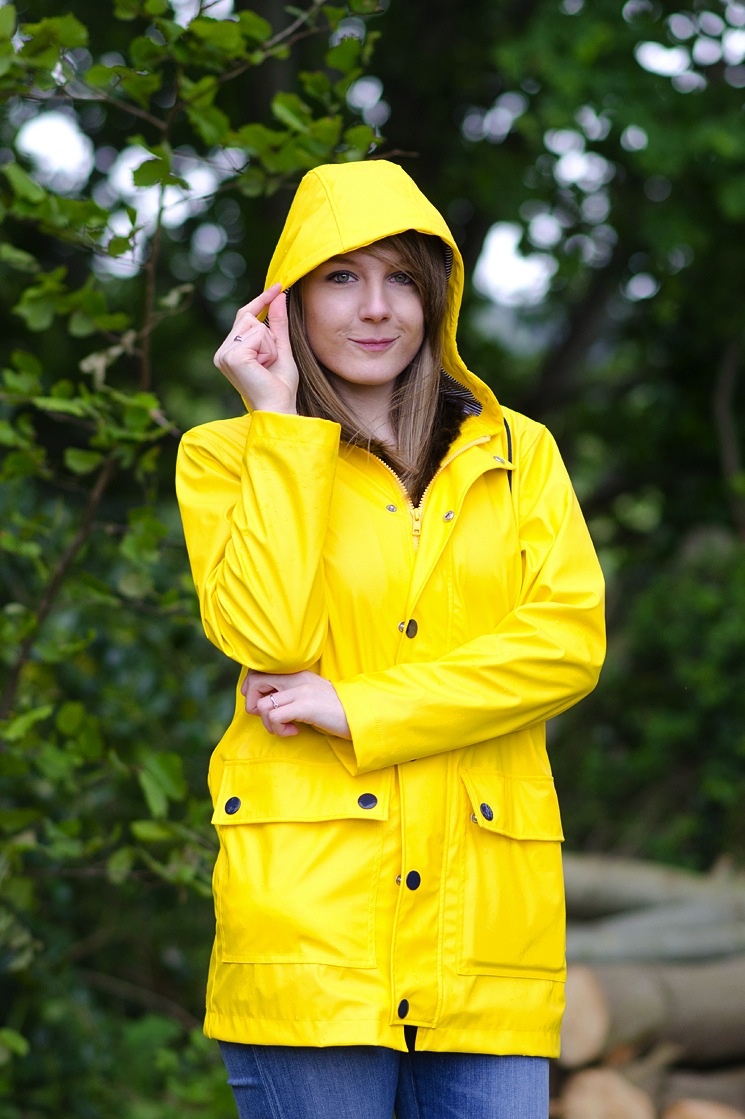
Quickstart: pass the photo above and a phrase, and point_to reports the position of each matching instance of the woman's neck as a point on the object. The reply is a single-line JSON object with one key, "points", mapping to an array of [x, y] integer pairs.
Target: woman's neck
{"points": [[371, 406]]}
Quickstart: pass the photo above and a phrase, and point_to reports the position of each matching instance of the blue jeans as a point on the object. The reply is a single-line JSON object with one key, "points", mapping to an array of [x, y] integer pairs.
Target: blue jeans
{"points": [[368, 1082]]}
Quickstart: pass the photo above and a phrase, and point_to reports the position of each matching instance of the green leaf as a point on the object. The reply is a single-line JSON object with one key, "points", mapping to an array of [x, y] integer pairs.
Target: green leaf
{"points": [[61, 32], [100, 76], [150, 831], [254, 26], [141, 87], [316, 84], [126, 9], [22, 184], [257, 139], [211, 123], [364, 7], [118, 246], [120, 864], [79, 461], [13, 1042], [150, 173], [360, 137], [223, 34], [167, 771], [8, 21], [70, 717], [345, 55], [291, 111], [156, 799], [18, 727], [17, 258], [334, 15], [252, 183]]}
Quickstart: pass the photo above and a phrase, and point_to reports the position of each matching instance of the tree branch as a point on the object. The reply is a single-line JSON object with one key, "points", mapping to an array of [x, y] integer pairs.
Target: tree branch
{"points": [[132, 992], [55, 584]]}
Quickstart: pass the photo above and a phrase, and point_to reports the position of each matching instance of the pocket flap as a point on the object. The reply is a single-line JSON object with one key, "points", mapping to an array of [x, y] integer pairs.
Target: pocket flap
{"points": [[518, 807], [269, 790]]}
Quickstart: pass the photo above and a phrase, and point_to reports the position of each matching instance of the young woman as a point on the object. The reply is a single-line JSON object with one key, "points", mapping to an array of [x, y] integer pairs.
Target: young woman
{"points": [[401, 569]]}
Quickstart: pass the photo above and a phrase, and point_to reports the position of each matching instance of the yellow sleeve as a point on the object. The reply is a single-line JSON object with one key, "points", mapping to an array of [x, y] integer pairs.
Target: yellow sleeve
{"points": [[545, 655], [254, 496]]}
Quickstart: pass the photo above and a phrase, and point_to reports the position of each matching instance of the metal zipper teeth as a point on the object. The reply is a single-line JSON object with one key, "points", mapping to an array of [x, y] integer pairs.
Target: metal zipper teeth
{"points": [[416, 511]]}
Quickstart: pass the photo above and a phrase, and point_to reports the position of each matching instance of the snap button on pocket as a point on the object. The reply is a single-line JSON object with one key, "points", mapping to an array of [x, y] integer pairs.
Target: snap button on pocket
{"points": [[413, 879], [403, 1008], [232, 805], [367, 800], [487, 812], [412, 628]]}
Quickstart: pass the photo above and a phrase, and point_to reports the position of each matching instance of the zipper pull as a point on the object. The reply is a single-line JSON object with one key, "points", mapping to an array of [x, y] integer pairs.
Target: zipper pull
{"points": [[417, 522]]}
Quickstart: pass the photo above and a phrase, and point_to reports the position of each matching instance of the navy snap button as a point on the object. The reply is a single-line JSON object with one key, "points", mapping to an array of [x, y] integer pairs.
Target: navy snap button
{"points": [[403, 1008], [487, 812], [449, 515], [413, 879], [412, 628], [232, 805], [392, 508], [367, 800]]}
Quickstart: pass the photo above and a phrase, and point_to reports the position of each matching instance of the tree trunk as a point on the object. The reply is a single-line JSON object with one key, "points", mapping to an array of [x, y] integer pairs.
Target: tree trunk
{"points": [[698, 1009], [604, 1094], [600, 885], [701, 1109], [699, 929]]}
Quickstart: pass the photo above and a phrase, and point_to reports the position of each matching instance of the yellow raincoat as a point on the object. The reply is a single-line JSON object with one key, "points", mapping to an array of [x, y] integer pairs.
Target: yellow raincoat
{"points": [[413, 875]]}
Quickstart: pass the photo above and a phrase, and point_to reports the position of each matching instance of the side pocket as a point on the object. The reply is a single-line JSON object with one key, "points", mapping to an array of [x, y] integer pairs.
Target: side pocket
{"points": [[297, 873], [511, 918]]}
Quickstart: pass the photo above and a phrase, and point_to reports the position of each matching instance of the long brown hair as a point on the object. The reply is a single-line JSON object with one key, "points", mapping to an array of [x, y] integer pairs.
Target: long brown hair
{"points": [[417, 407]]}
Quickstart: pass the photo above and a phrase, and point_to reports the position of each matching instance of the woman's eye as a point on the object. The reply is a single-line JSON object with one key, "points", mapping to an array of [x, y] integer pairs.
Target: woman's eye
{"points": [[339, 277], [401, 278]]}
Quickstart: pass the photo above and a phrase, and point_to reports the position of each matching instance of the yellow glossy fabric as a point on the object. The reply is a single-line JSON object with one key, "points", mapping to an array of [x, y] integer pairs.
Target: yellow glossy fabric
{"points": [[419, 863]]}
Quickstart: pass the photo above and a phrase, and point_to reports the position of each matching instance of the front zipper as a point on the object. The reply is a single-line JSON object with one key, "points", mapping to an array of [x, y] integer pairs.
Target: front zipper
{"points": [[416, 512]]}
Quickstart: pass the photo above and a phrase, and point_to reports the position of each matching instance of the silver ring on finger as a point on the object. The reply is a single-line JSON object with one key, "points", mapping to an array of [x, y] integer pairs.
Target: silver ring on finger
{"points": [[237, 338], [275, 705]]}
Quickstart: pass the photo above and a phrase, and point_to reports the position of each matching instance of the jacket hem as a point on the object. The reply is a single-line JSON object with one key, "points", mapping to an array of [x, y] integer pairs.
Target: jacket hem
{"points": [[295, 1033]]}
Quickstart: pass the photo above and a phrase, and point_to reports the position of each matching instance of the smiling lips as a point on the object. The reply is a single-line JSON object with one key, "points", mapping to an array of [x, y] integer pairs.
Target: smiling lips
{"points": [[373, 345]]}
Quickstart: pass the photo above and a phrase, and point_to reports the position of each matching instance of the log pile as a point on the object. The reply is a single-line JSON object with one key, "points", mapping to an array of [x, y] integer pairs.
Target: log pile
{"points": [[655, 1019]]}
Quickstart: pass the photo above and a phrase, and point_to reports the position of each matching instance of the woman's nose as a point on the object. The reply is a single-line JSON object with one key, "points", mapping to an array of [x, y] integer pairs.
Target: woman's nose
{"points": [[374, 304]]}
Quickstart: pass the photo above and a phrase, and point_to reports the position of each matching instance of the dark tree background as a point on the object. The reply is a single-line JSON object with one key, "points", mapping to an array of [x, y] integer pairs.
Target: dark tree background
{"points": [[607, 139]]}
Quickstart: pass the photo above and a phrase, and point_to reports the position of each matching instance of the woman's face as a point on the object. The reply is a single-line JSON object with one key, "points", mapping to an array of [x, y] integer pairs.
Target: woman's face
{"points": [[363, 318]]}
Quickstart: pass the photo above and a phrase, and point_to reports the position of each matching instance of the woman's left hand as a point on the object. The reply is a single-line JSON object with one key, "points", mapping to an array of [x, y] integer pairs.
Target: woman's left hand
{"points": [[282, 701]]}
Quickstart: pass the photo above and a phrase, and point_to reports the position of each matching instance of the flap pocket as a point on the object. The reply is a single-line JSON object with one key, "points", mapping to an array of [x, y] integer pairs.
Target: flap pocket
{"points": [[518, 807], [271, 790]]}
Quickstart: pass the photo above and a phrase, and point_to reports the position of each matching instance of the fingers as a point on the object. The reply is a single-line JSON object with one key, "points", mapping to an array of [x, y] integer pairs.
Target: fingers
{"points": [[278, 323], [257, 305], [275, 715]]}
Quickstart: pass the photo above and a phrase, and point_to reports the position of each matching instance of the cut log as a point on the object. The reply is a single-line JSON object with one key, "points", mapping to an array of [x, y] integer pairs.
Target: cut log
{"points": [[601, 885], [604, 1094], [701, 1109], [686, 930], [699, 1009], [725, 1086]]}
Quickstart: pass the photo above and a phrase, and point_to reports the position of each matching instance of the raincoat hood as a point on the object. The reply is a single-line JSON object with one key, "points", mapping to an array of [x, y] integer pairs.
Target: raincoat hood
{"points": [[341, 207]]}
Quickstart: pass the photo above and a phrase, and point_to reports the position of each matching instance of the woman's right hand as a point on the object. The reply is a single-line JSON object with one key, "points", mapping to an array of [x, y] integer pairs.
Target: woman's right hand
{"points": [[256, 357]]}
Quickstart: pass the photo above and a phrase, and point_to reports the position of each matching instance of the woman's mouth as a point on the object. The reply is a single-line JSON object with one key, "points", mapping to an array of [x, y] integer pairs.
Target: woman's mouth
{"points": [[373, 345]]}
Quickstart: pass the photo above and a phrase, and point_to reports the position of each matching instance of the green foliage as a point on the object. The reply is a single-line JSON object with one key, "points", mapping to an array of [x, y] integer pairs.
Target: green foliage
{"points": [[673, 747], [117, 288], [111, 697]]}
